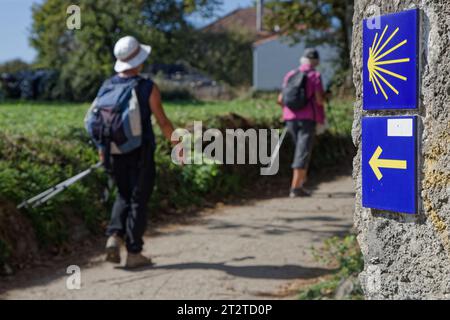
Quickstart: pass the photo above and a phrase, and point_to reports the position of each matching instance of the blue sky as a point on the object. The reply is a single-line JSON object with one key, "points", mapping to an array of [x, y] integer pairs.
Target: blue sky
{"points": [[15, 23], [228, 6]]}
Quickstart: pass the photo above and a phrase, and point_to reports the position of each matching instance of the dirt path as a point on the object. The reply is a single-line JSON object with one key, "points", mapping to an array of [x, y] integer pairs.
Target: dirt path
{"points": [[239, 252]]}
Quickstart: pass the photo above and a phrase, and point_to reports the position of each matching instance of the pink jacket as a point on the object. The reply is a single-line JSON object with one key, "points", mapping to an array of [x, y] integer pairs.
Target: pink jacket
{"points": [[313, 110]]}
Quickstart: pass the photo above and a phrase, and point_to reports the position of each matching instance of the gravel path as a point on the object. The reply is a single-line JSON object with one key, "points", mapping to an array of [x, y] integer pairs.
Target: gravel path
{"points": [[239, 252]]}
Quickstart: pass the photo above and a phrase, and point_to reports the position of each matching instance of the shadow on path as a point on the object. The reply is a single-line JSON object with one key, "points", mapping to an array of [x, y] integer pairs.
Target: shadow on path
{"points": [[284, 272]]}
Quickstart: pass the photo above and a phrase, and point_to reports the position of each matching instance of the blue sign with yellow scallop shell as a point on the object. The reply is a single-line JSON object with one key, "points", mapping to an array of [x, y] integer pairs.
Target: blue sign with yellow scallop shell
{"points": [[391, 62]]}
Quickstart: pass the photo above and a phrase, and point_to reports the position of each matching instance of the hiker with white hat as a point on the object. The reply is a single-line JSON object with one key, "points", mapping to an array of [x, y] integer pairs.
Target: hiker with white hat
{"points": [[119, 122]]}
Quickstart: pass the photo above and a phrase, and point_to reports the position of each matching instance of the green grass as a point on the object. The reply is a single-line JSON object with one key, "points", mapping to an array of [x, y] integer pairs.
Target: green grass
{"points": [[46, 117], [43, 143], [26, 117], [256, 110], [345, 255]]}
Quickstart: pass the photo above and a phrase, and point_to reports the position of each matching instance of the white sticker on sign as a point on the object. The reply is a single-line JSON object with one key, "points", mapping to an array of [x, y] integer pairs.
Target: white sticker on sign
{"points": [[400, 127]]}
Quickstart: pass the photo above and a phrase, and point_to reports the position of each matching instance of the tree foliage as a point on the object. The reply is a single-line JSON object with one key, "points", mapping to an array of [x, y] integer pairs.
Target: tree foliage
{"points": [[226, 56], [330, 20], [14, 66], [85, 57]]}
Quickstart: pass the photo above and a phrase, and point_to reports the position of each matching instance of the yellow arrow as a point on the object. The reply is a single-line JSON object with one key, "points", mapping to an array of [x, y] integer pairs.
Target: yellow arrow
{"points": [[376, 163]]}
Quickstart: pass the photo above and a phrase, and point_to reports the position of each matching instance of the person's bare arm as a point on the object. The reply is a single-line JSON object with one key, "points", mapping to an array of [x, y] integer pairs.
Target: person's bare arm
{"points": [[280, 99], [320, 95], [320, 98], [158, 111]]}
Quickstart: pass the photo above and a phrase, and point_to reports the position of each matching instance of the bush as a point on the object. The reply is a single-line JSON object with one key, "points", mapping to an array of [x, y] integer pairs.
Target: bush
{"points": [[171, 91], [4, 252], [14, 66], [30, 85]]}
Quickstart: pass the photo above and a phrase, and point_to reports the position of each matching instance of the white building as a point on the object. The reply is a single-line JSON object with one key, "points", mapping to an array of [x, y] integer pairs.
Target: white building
{"points": [[274, 56]]}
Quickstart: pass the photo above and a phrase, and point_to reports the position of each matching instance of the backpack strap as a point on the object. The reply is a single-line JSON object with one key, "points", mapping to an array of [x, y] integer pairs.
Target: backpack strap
{"points": [[312, 96], [137, 81], [107, 152]]}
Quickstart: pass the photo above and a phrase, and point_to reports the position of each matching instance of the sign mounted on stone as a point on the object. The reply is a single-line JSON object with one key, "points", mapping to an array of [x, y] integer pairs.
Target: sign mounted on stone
{"points": [[391, 62], [405, 256], [389, 179]]}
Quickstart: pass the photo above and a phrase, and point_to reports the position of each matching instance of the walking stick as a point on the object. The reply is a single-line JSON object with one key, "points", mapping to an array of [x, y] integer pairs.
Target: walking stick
{"points": [[53, 191]]}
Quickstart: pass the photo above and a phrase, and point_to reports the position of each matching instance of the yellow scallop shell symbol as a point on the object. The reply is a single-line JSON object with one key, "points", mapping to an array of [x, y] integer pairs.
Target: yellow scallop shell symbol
{"points": [[374, 62]]}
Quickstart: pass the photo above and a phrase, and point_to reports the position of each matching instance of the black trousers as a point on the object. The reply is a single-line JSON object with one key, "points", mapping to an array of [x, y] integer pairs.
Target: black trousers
{"points": [[134, 174]]}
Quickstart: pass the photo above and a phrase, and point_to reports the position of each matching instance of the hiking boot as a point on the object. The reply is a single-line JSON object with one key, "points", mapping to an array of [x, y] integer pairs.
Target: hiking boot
{"points": [[299, 192], [113, 249], [136, 260]]}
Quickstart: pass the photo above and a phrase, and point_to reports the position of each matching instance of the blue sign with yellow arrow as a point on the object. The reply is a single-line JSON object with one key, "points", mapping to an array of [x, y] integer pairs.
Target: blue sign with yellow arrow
{"points": [[390, 62], [389, 174]]}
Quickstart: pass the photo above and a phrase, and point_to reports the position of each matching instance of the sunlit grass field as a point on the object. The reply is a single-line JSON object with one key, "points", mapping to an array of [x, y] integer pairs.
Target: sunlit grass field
{"points": [[52, 119]]}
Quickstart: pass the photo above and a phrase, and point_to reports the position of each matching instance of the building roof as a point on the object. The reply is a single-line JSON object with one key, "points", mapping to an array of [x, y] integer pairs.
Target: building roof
{"points": [[239, 20], [244, 21], [266, 39]]}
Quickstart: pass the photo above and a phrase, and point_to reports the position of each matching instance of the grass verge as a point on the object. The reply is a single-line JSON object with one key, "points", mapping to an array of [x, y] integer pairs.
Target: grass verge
{"points": [[345, 256]]}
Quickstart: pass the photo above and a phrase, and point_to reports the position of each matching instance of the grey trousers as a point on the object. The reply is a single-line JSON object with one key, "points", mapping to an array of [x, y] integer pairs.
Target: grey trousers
{"points": [[302, 133]]}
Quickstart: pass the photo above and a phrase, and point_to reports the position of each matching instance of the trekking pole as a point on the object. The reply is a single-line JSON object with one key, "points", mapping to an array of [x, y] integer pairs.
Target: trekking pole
{"points": [[61, 187], [53, 191], [276, 151], [278, 146]]}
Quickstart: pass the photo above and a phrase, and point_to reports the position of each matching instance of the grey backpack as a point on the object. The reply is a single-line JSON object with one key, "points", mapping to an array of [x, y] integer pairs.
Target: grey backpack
{"points": [[294, 92]]}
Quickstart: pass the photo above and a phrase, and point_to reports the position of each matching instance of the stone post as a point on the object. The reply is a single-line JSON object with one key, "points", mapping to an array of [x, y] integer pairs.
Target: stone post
{"points": [[408, 256]]}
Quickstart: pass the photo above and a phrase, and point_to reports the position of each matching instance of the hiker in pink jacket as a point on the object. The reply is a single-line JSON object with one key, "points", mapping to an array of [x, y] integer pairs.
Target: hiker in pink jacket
{"points": [[301, 123]]}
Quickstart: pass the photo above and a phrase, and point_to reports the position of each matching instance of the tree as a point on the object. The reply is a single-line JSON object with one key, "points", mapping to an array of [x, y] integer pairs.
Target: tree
{"points": [[85, 57], [224, 56], [319, 20], [14, 66]]}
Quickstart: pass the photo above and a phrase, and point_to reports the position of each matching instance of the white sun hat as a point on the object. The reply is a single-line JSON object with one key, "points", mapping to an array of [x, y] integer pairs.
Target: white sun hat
{"points": [[130, 53]]}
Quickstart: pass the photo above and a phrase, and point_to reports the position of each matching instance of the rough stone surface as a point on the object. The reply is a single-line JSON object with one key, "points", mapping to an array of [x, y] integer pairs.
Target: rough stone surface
{"points": [[345, 288], [408, 257]]}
